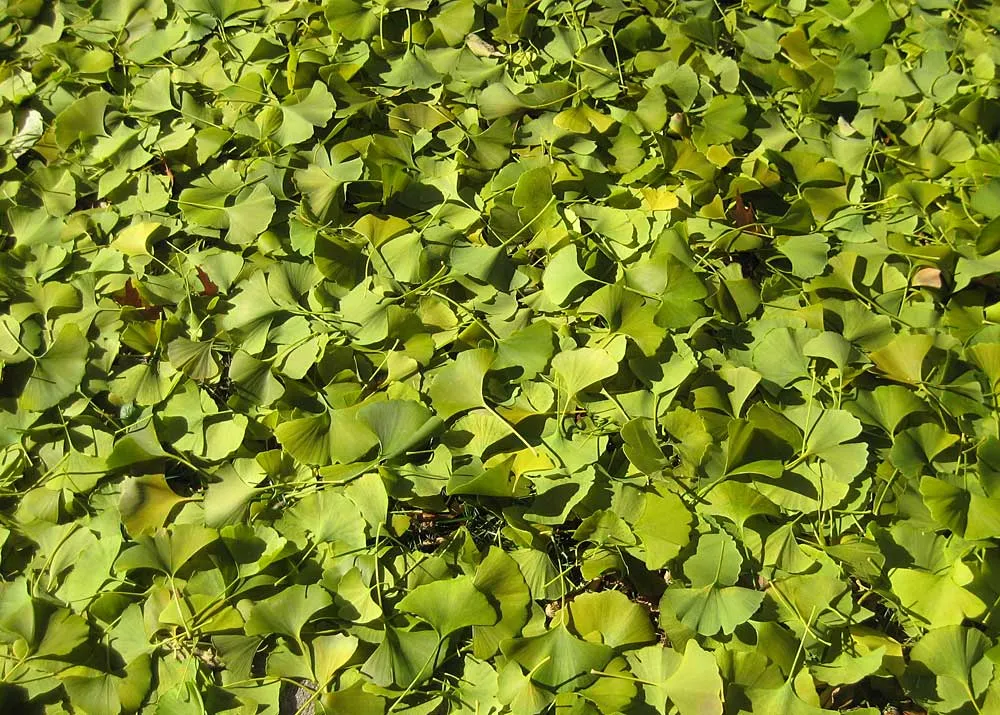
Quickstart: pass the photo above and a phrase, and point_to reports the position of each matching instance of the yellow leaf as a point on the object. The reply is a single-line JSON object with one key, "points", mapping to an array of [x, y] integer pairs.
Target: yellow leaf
{"points": [[660, 199], [719, 155], [573, 120], [600, 122], [134, 240]]}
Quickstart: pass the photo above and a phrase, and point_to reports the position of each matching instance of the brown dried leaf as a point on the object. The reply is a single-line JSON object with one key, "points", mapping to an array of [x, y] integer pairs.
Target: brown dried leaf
{"points": [[209, 287], [480, 47], [927, 277]]}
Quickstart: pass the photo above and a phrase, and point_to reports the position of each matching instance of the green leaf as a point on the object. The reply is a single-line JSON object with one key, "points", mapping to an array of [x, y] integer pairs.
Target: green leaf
{"points": [[609, 617], [520, 692], [557, 659], [226, 500], [950, 668], [458, 386], [17, 611], [193, 358], [664, 527], [137, 446], [721, 121], [324, 438], [496, 481], [573, 120], [250, 215], [691, 682], [449, 605], [287, 612], [716, 561], [887, 406], [299, 119], [934, 598], [971, 516], [330, 654], [641, 447], [827, 441], [254, 380], [783, 699], [94, 695], [500, 579], [153, 95], [327, 517], [563, 275], [528, 349], [627, 314], [807, 254], [58, 373], [166, 550], [403, 658], [322, 186], [846, 670], [779, 356], [578, 369], [711, 609], [83, 119], [917, 448], [399, 424], [868, 25]]}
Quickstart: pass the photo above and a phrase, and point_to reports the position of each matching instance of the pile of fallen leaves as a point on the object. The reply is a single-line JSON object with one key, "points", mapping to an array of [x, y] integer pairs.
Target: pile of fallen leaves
{"points": [[572, 356]]}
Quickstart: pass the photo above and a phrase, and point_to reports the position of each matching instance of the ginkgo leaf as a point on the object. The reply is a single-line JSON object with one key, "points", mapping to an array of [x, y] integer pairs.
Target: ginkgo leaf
{"points": [[330, 654], [783, 699], [82, 119], [323, 438], [166, 550], [716, 561], [576, 370], [399, 424], [846, 669], [711, 609], [664, 527], [498, 576], [95, 694], [829, 439], [557, 659], [250, 215], [951, 667], [300, 118], [934, 598], [449, 605], [193, 358], [404, 658], [520, 692], [612, 618], [58, 372], [322, 186], [288, 611], [903, 358], [563, 275], [458, 386], [691, 681], [146, 503], [972, 516]]}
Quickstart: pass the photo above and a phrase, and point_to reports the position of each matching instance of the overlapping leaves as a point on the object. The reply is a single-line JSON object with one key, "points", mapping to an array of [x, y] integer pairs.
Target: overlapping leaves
{"points": [[482, 357]]}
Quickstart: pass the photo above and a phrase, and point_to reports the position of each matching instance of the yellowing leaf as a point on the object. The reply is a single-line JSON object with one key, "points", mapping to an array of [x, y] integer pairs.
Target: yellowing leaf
{"points": [[903, 358], [146, 503], [660, 199]]}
